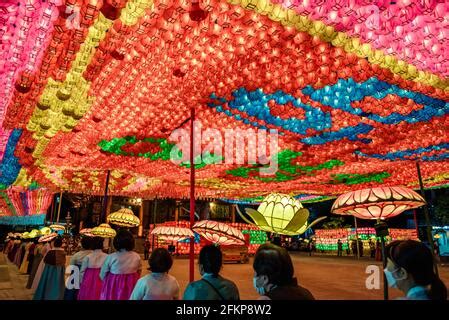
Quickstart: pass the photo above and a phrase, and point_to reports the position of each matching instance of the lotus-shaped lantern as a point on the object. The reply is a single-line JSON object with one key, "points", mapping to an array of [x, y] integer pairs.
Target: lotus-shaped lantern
{"points": [[282, 214]]}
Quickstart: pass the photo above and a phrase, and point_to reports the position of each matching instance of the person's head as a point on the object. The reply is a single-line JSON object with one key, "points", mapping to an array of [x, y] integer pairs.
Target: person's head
{"points": [[124, 240], [210, 260], [57, 243], [410, 263], [86, 243], [96, 243], [272, 267], [160, 260]]}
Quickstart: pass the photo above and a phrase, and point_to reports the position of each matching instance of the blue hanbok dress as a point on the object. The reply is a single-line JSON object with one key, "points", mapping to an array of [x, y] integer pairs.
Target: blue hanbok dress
{"points": [[52, 283]]}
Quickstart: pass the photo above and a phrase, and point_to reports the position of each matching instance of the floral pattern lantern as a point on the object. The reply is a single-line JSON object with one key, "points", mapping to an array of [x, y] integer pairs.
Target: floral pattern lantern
{"points": [[172, 233], [124, 218], [57, 227], [218, 232], [377, 203], [282, 214], [48, 237], [104, 230]]}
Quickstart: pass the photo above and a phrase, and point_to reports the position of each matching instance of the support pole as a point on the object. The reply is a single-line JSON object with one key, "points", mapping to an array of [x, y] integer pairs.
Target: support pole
{"points": [[426, 216], [192, 194], [154, 221], [415, 218], [59, 206], [384, 264], [356, 238], [105, 198], [52, 209], [140, 230]]}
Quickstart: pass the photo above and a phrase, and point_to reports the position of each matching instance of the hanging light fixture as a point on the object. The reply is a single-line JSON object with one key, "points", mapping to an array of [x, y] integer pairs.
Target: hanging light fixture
{"points": [[124, 218], [282, 214], [377, 203], [218, 232], [172, 233], [104, 230]]}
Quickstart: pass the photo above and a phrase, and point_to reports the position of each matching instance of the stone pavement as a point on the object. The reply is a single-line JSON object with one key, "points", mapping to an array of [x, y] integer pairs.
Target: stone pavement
{"points": [[327, 277], [12, 283]]}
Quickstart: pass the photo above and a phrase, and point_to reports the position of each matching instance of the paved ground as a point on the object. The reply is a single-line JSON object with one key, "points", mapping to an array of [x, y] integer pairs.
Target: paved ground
{"points": [[326, 277]]}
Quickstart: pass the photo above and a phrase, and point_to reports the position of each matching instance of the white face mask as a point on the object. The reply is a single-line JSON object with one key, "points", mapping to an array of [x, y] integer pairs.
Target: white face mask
{"points": [[392, 281], [260, 290]]}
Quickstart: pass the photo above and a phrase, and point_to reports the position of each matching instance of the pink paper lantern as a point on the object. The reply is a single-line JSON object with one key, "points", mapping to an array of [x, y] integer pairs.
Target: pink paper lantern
{"points": [[377, 203], [172, 233], [218, 232]]}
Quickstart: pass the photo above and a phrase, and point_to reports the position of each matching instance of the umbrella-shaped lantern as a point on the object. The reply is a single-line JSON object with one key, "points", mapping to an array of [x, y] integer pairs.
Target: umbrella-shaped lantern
{"points": [[34, 234], [57, 227], [172, 233], [124, 218], [282, 214], [45, 230], [219, 232], [104, 230], [378, 203], [87, 232], [25, 235], [48, 237]]}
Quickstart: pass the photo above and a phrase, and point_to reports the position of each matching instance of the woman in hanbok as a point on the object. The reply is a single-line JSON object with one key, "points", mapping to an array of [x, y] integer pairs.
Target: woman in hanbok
{"points": [[76, 261], [19, 253], [51, 285], [37, 258], [31, 254], [37, 276], [90, 288], [13, 251], [24, 266], [121, 269]]}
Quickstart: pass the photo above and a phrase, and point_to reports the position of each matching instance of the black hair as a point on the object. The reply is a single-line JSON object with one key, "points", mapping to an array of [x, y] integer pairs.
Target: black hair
{"points": [[211, 259], [124, 240], [275, 263], [417, 259], [96, 243], [160, 260], [57, 243], [86, 243]]}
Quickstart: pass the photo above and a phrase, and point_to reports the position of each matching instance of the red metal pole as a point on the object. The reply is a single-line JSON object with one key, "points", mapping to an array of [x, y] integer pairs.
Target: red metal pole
{"points": [[192, 194]]}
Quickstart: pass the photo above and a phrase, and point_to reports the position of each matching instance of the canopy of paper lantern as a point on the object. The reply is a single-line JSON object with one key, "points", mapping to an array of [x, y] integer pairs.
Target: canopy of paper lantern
{"points": [[377, 203], [219, 232], [349, 88]]}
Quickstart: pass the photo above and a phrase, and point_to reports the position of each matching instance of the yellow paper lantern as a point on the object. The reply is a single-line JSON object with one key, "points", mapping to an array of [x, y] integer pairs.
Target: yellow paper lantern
{"points": [[104, 230], [124, 218]]}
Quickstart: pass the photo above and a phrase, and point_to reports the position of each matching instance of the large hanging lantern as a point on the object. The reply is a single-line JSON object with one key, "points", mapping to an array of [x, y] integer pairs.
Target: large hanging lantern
{"points": [[87, 232], [377, 203], [282, 214], [124, 218], [57, 227], [104, 230], [48, 237], [34, 234], [172, 233], [218, 232], [45, 231]]}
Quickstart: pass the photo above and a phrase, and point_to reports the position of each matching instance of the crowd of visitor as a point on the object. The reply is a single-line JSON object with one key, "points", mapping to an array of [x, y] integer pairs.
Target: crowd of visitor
{"points": [[117, 276]]}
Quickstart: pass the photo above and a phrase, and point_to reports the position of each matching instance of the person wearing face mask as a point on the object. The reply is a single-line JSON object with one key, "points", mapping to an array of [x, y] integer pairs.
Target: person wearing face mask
{"points": [[410, 268], [274, 275], [212, 286]]}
